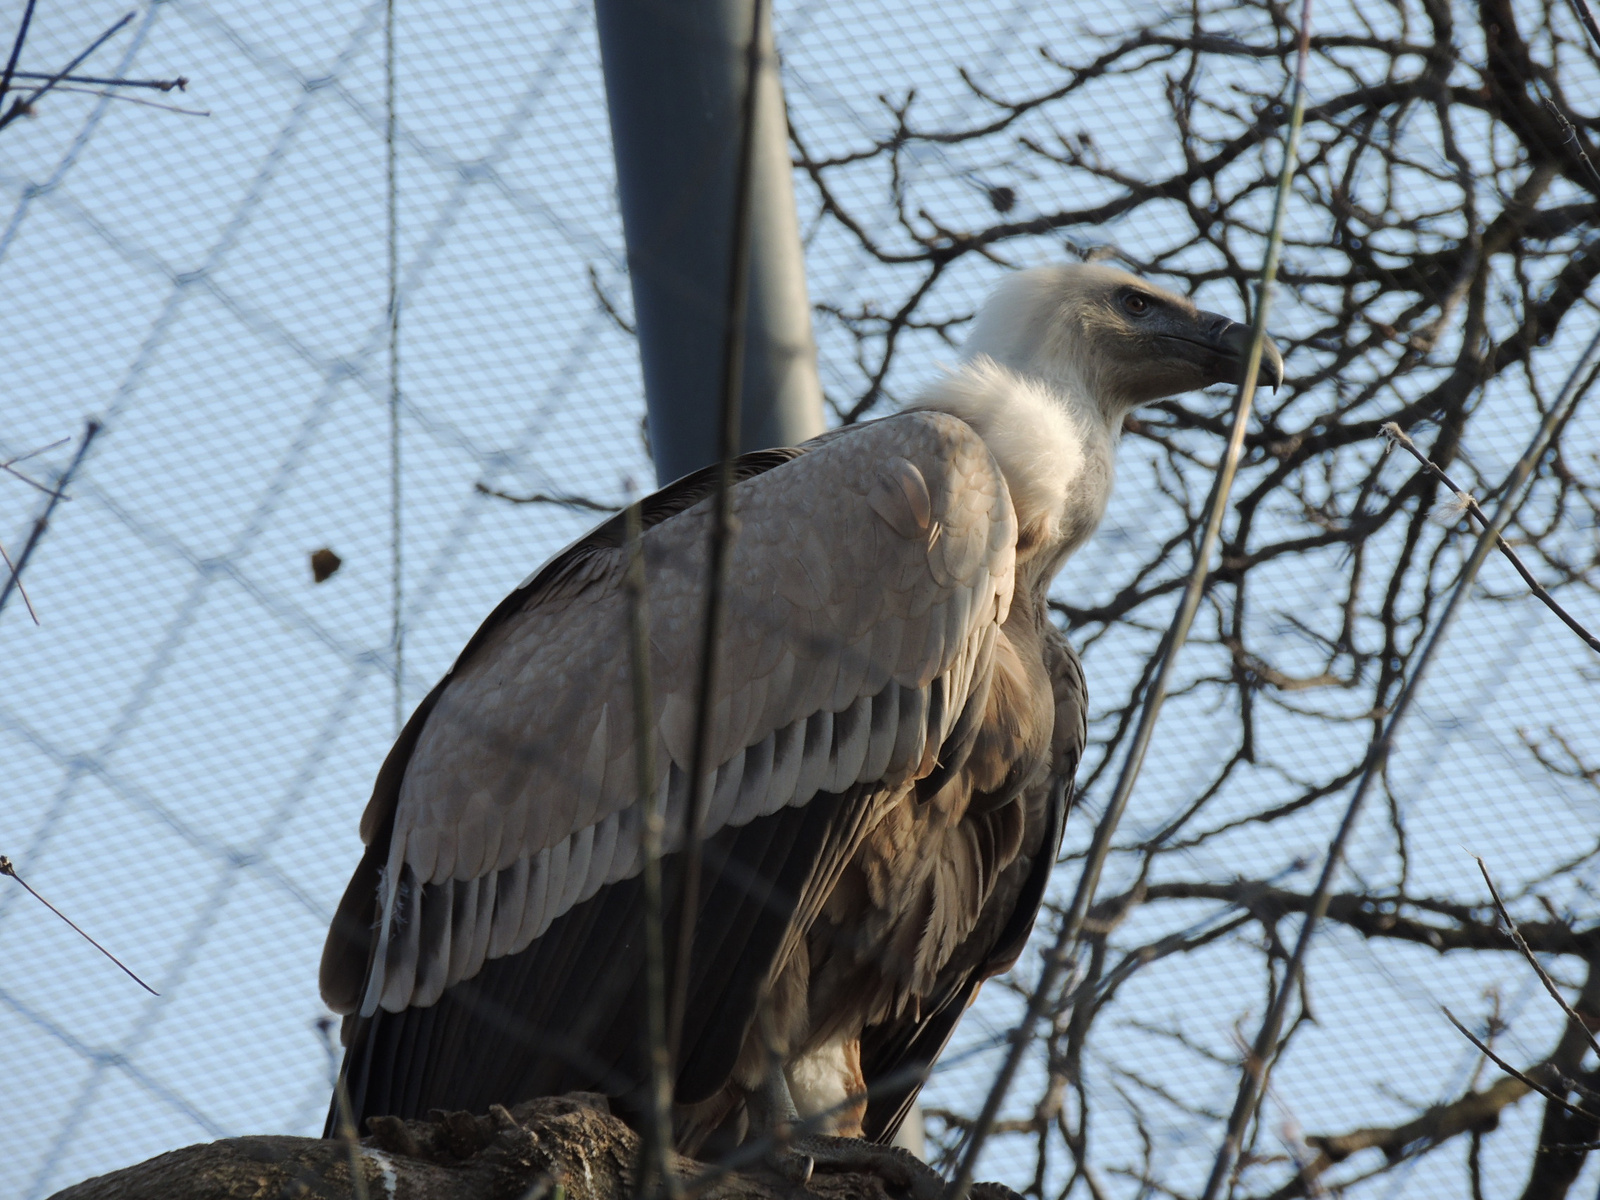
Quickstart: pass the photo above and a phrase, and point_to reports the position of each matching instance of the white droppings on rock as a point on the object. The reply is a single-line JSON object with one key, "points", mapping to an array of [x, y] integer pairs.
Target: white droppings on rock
{"points": [[391, 1178]]}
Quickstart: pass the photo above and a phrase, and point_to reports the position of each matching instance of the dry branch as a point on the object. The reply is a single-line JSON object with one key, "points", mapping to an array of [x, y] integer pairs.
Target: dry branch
{"points": [[1463, 927], [1447, 243], [1475, 1112], [14, 571]]}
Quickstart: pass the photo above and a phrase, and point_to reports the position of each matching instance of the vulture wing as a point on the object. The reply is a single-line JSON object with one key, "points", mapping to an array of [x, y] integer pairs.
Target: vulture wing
{"points": [[489, 946], [897, 1055]]}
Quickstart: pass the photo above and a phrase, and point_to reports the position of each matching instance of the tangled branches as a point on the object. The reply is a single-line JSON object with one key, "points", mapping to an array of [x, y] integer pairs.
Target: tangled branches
{"points": [[1437, 276]]}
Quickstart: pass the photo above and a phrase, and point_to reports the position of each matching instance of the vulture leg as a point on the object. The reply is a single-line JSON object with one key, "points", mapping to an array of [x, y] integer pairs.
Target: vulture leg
{"points": [[773, 1114]]}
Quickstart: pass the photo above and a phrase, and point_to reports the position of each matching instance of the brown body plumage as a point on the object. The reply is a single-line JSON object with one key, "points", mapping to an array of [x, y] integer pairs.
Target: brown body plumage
{"points": [[895, 732]]}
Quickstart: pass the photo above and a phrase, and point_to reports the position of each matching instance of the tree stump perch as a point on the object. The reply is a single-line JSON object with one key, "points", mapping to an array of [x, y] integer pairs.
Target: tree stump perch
{"points": [[554, 1148]]}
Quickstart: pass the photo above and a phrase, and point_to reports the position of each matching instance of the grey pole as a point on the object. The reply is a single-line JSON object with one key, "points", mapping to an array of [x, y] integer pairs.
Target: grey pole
{"points": [[675, 83]]}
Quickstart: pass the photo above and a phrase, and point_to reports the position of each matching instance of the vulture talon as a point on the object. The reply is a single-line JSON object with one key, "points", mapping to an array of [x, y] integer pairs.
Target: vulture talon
{"points": [[794, 1165], [993, 1191], [901, 1171]]}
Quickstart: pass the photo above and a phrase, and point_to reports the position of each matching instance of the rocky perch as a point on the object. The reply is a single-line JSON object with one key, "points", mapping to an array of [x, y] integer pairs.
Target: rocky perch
{"points": [[559, 1148]]}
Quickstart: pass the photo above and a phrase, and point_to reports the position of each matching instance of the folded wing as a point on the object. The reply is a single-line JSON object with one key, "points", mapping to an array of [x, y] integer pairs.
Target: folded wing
{"points": [[488, 946]]}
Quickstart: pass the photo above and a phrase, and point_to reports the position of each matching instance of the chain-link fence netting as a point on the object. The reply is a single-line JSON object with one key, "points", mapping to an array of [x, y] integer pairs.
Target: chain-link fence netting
{"points": [[190, 731]]}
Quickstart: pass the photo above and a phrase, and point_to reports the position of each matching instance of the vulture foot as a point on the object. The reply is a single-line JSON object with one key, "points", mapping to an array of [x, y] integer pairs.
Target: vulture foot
{"points": [[796, 1159], [903, 1172], [794, 1165], [992, 1191]]}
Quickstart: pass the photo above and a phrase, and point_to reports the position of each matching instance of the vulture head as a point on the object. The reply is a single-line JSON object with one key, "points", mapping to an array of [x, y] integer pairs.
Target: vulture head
{"points": [[1056, 359], [1104, 335]]}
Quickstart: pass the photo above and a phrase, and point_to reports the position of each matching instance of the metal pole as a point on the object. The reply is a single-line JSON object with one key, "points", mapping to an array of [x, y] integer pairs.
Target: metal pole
{"points": [[675, 74]]}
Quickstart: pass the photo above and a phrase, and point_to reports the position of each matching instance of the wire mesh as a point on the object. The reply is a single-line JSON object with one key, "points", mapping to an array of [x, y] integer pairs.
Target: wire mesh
{"points": [[189, 735]]}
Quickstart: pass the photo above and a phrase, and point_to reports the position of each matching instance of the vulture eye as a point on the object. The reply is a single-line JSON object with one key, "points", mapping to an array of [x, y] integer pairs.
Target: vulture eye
{"points": [[1136, 304]]}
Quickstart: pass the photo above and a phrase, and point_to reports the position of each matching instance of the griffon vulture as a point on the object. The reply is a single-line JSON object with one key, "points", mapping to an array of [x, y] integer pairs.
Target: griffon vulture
{"points": [[894, 737]]}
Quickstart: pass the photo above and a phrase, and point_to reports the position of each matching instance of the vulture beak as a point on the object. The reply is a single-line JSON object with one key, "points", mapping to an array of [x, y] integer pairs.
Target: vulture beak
{"points": [[1228, 344], [1216, 347]]}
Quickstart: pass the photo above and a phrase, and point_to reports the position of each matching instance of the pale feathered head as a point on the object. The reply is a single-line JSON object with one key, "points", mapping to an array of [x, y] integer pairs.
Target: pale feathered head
{"points": [[1111, 336]]}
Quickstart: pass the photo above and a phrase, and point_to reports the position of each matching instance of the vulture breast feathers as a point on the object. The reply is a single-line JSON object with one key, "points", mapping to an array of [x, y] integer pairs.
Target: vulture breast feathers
{"points": [[490, 947]]}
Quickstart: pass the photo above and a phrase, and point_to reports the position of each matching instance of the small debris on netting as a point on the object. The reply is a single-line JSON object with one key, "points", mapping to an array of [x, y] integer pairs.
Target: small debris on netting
{"points": [[324, 562]]}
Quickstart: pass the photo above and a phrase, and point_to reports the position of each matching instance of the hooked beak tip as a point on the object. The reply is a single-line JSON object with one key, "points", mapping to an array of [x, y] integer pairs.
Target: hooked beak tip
{"points": [[1271, 365], [1232, 341]]}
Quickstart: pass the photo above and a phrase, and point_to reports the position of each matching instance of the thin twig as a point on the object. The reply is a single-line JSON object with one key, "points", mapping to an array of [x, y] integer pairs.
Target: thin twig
{"points": [[1398, 436], [6, 868], [341, 1101], [1547, 1093], [658, 1176], [160, 85], [22, 106], [1586, 19], [722, 521], [31, 482], [9, 467], [606, 306], [397, 629], [171, 108], [1259, 1065], [10, 463], [21, 591], [35, 452], [1059, 958], [39, 526], [564, 501], [10, 72], [1572, 136], [1527, 953]]}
